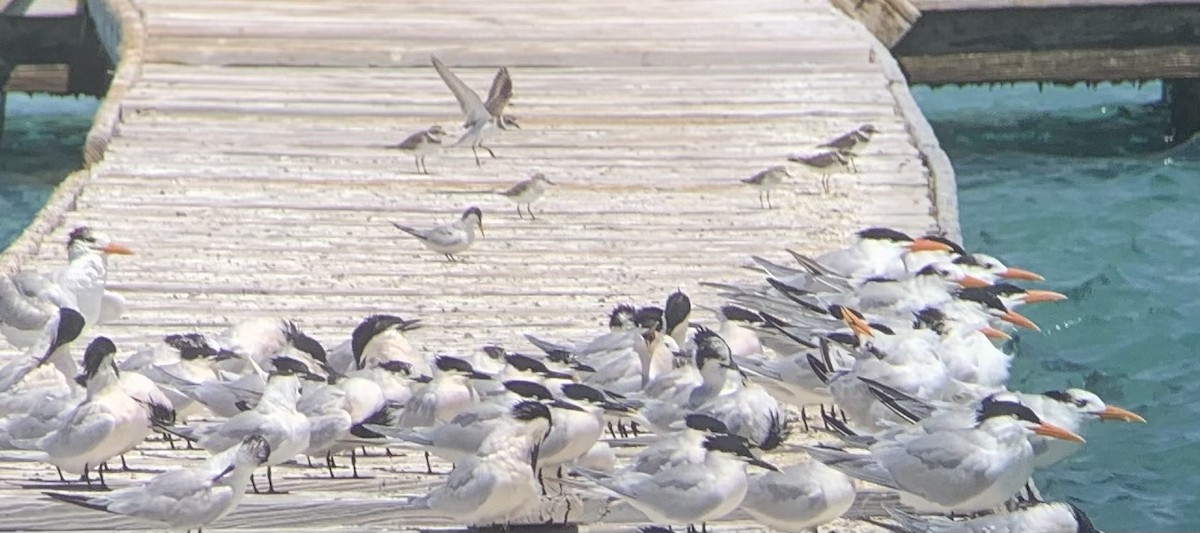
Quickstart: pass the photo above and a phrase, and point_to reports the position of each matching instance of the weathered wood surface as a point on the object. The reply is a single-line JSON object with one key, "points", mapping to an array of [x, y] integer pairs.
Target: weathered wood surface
{"points": [[249, 172]]}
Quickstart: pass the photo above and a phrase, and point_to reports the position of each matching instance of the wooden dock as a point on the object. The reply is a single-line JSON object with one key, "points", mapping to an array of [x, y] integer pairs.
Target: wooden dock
{"points": [[241, 154]]}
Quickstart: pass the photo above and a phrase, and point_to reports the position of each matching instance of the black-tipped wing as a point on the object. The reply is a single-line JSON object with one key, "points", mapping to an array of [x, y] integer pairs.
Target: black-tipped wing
{"points": [[500, 92], [468, 101]]}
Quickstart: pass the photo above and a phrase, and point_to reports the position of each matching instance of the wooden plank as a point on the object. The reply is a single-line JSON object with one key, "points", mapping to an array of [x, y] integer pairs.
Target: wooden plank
{"points": [[50, 79]]}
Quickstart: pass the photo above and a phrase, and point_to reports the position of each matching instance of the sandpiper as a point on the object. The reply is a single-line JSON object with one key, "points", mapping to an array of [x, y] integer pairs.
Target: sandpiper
{"points": [[422, 143], [848, 143], [527, 192], [766, 180], [452, 238], [824, 161], [481, 118]]}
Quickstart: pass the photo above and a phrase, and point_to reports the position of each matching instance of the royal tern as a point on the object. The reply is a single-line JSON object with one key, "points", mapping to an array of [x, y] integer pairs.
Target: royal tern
{"points": [[876, 252], [185, 499], [449, 239], [53, 346], [450, 392], [379, 339], [960, 468], [1038, 518]]}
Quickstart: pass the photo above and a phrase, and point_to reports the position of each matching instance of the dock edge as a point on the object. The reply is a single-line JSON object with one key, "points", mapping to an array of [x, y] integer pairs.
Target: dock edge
{"points": [[119, 24]]}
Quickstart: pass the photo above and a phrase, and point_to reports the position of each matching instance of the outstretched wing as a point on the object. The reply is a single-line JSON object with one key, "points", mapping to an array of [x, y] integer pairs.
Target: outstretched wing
{"points": [[500, 93], [470, 103]]}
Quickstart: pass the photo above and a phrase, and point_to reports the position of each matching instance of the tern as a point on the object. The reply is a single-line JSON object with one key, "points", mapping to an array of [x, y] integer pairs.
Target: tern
{"points": [[799, 497], [449, 239], [527, 192], [379, 339], [421, 144], [876, 252], [481, 117], [185, 499], [1038, 518], [497, 484], [960, 468]]}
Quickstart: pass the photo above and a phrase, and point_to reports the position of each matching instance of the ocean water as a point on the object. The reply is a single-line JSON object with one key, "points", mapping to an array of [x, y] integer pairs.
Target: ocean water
{"points": [[1081, 186], [43, 142]]}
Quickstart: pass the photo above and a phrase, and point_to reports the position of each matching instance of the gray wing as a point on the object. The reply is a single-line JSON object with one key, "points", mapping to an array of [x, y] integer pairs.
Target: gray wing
{"points": [[470, 103], [20, 304], [500, 92], [87, 427], [448, 235], [411, 141], [112, 307]]}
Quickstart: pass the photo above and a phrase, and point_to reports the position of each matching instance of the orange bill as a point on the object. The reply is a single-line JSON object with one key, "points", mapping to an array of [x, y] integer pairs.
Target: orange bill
{"points": [[973, 282], [926, 245], [1020, 273], [1113, 412], [1017, 319], [1053, 431], [995, 334], [856, 323], [116, 248], [1035, 296]]}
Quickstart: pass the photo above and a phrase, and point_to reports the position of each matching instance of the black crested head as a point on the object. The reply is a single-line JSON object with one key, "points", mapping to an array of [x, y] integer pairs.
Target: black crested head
{"points": [[310, 346], [709, 345], [287, 366], [678, 308], [845, 339], [702, 422], [400, 367], [70, 325], [528, 389], [954, 246], [992, 408], [494, 351], [447, 363], [1059, 396], [739, 314], [650, 318], [932, 271], [530, 410], [368, 329], [579, 391], [1004, 289], [190, 345], [80, 234], [966, 260], [621, 316], [258, 446], [561, 356], [982, 297], [473, 211], [883, 234], [836, 310], [1085, 523], [881, 328], [930, 318], [100, 351], [525, 363], [732, 444]]}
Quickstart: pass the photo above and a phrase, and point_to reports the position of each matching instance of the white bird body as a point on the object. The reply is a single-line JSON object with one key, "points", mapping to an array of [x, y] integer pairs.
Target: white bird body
{"points": [[449, 239], [1038, 518], [275, 418], [798, 497]]}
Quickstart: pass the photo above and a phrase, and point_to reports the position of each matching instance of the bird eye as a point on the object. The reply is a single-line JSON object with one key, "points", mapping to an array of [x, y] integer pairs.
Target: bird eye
{"points": [[1080, 402]]}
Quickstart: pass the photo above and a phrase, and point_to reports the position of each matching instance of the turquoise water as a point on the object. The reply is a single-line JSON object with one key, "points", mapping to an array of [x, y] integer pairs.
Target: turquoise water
{"points": [[1079, 185], [43, 141], [1072, 183]]}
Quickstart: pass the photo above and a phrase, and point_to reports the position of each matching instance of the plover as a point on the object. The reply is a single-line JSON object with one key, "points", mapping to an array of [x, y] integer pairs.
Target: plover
{"points": [[527, 192], [480, 119], [452, 238], [848, 143], [766, 180], [421, 144], [825, 162]]}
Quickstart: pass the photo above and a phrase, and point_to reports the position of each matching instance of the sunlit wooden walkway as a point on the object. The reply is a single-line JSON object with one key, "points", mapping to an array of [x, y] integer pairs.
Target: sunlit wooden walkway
{"points": [[248, 168]]}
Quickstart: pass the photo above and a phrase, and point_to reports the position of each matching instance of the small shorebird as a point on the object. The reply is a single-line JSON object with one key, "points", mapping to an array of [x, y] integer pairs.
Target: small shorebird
{"points": [[421, 144], [825, 162], [481, 117], [849, 142], [527, 192], [452, 238], [766, 180]]}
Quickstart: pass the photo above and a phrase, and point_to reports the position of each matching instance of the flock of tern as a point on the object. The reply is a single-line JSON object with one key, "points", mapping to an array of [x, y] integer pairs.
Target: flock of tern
{"points": [[892, 340], [892, 337]]}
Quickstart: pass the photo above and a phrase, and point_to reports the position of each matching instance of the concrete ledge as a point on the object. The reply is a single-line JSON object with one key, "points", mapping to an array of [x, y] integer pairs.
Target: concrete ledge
{"points": [[107, 15]]}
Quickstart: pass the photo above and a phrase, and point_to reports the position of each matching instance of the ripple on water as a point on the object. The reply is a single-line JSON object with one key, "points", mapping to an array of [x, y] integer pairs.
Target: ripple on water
{"points": [[1080, 186]]}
